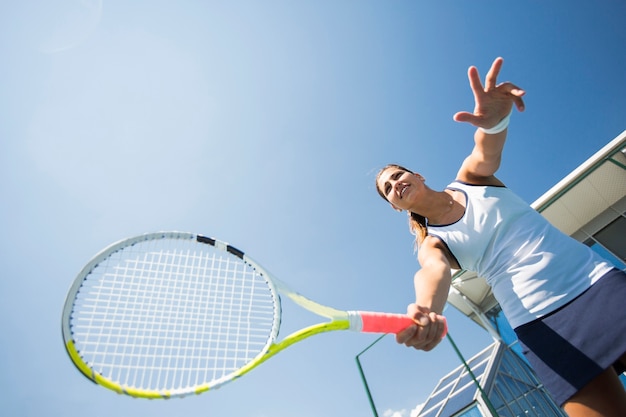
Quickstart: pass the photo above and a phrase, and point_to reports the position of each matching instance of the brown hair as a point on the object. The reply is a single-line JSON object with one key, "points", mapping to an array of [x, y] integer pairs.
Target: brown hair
{"points": [[417, 222]]}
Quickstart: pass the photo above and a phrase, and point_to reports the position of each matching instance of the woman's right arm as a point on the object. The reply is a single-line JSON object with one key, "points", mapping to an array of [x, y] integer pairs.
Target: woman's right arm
{"points": [[432, 283]]}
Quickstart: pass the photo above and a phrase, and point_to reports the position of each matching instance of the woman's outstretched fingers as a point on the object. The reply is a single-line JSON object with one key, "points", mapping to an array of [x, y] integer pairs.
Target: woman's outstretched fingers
{"points": [[493, 101], [491, 80], [517, 94], [475, 83]]}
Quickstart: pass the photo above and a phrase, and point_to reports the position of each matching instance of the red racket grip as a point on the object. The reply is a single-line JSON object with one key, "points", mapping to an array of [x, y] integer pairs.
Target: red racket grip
{"points": [[389, 323]]}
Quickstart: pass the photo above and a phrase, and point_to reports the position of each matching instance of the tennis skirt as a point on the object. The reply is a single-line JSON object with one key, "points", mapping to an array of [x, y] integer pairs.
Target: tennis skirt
{"points": [[572, 345]]}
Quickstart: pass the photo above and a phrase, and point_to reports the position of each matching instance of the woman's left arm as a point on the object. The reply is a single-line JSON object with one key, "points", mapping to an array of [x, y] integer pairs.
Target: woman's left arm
{"points": [[493, 106]]}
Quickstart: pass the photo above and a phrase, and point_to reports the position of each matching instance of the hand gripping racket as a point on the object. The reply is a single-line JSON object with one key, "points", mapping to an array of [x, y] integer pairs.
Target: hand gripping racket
{"points": [[170, 314]]}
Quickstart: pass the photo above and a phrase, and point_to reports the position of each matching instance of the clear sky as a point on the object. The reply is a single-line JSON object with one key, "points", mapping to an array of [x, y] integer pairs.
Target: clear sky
{"points": [[263, 123]]}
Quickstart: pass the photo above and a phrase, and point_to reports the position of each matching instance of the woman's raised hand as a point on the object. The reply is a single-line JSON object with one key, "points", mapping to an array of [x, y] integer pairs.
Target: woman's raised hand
{"points": [[493, 101]]}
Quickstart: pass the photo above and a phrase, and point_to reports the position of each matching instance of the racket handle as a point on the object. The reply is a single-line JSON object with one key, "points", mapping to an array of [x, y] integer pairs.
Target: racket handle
{"points": [[388, 323]]}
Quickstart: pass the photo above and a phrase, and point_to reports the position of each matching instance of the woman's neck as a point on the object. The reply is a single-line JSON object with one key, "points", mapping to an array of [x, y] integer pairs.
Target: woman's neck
{"points": [[443, 208]]}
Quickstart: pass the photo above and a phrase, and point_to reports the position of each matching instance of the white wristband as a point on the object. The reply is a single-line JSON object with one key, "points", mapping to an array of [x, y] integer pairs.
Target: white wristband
{"points": [[502, 124]]}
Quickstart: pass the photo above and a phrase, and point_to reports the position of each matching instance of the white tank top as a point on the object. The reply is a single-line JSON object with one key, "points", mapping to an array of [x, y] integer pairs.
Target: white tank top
{"points": [[531, 266]]}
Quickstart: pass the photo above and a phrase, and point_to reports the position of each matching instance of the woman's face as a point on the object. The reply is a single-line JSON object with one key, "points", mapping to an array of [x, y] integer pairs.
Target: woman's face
{"points": [[400, 187]]}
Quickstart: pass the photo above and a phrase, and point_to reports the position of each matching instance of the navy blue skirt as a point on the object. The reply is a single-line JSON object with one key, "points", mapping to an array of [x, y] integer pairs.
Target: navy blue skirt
{"points": [[572, 345]]}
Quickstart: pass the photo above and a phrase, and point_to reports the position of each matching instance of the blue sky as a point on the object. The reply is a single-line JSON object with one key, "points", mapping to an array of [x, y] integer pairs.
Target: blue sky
{"points": [[263, 123]]}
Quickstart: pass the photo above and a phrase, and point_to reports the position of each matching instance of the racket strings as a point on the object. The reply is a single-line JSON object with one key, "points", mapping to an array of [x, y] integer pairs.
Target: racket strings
{"points": [[169, 318]]}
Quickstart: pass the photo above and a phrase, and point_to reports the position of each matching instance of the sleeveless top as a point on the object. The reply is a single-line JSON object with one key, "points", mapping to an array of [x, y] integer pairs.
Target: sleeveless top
{"points": [[531, 266]]}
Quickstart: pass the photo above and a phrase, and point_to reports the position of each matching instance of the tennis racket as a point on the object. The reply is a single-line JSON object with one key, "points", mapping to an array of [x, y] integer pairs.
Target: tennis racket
{"points": [[170, 314]]}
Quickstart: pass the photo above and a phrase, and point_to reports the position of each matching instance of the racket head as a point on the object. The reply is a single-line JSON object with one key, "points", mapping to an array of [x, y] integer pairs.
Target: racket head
{"points": [[169, 314]]}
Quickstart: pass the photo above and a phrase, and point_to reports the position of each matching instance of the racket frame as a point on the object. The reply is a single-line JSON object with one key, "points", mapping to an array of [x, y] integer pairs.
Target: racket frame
{"points": [[338, 319]]}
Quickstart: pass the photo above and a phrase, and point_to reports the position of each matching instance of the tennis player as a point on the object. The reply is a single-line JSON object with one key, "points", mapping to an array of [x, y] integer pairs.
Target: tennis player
{"points": [[565, 302]]}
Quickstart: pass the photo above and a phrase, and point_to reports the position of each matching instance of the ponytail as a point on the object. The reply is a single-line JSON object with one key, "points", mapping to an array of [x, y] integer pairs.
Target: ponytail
{"points": [[418, 227]]}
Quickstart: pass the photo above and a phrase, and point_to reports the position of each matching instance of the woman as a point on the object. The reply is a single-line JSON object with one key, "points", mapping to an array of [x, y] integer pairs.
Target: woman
{"points": [[556, 292]]}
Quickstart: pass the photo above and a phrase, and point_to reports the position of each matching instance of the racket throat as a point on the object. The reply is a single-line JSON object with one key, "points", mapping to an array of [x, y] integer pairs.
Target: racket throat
{"points": [[355, 320]]}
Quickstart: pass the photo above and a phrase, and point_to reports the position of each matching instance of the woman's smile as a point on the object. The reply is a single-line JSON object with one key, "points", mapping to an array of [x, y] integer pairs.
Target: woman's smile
{"points": [[401, 189]]}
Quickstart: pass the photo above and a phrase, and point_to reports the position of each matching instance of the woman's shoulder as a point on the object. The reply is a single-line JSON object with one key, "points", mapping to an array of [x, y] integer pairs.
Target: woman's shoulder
{"points": [[434, 246], [491, 181]]}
